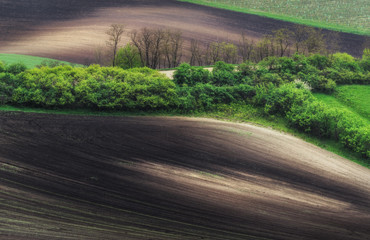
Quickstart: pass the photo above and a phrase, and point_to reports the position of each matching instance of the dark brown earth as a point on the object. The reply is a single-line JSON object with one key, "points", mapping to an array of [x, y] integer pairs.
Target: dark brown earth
{"points": [[85, 177], [72, 29]]}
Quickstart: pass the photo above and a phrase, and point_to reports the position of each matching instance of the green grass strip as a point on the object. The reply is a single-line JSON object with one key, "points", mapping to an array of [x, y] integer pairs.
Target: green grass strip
{"points": [[361, 30], [29, 61]]}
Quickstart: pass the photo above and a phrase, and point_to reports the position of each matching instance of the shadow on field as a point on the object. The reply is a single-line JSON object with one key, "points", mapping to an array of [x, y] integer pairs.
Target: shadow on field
{"points": [[172, 178]]}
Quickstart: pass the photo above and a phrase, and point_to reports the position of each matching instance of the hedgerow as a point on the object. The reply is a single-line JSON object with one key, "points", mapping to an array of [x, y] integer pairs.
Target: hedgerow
{"points": [[281, 86], [93, 87]]}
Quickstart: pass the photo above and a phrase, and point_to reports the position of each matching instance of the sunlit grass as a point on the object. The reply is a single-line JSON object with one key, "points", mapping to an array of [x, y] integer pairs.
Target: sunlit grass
{"points": [[29, 61], [344, 15]]}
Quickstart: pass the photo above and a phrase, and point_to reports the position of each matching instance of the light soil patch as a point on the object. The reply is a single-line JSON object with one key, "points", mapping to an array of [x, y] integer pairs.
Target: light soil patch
{"points": [[169, 73]]}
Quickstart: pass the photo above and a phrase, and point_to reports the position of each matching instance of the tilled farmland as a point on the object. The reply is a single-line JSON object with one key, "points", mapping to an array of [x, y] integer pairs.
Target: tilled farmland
{"points": [[73, 30], [88, 177]]}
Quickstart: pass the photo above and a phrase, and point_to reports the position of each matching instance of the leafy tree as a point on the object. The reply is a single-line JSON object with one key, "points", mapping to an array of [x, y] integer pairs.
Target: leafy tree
{"points": [[128, 57]]}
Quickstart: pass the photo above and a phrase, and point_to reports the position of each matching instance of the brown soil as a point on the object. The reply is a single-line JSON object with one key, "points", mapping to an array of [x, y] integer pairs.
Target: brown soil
{"points": [[71, 30], [85, 177]]}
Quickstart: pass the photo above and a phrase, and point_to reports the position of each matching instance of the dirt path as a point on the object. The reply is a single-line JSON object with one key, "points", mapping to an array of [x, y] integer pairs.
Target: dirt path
{"points": [[72, 30], [169, 73], [84, 177]]}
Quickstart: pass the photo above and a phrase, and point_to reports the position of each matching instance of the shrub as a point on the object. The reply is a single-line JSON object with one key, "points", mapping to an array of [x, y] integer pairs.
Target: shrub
{"points": [[207, 96], [2, 67], [16, 68], [344, 61], [190, 75], [6, 87], [280, 100], [320, 83], [222, 78], [93, 87], [266, 78], [307, 114], [319, 61]]}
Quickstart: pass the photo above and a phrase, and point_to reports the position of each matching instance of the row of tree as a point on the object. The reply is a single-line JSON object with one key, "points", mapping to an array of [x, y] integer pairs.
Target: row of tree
{"points": [[164, 48]]}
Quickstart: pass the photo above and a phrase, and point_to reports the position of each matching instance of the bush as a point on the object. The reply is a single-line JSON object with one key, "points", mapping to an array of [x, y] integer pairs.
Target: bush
{"points": [[344, 61], [189, 75], [307, 114], [266, 78], [320, 83], [222, 78], [207, 96], [16, 68], [319, 61], [93, 87], [280, 100], [6, 87], [2, 67]]}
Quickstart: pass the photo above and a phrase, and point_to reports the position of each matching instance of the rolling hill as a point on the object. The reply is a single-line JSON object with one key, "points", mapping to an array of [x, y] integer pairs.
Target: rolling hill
{"points": [[72, 30], [86, 177]]}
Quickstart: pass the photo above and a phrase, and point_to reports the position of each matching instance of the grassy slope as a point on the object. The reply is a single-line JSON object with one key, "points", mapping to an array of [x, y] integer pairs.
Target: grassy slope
{"points": [[355, 98], [346, 16], [29, 61]]}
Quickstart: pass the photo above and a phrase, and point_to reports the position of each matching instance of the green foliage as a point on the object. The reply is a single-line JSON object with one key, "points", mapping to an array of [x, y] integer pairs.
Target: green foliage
{"points": [[6, 87], [319, 61], [207, 96], [2, 67], [190, 75], [30, 61], [344, 61], [280, 86], [365, 61], [128, 57], [16, 68], [51, 63], [356, 97], [307, 114], [93, 87]]}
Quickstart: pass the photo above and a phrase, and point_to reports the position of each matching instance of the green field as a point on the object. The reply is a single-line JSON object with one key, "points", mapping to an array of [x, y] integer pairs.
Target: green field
{"points": [[29, 61], [341, 15], [355, 98]]}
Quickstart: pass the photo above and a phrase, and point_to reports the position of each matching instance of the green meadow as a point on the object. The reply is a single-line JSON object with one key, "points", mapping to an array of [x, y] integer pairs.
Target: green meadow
{"points": [[340, 15], [29, 61]]}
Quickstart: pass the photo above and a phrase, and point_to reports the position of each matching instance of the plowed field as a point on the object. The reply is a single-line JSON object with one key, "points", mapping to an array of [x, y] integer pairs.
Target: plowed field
{"points": [[71, 30], [86, 177]]}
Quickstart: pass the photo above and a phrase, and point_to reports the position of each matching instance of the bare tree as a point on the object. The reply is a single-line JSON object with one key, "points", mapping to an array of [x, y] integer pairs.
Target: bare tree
{"points": [[332, 42], [315, 42], [283, 39], [366, 44], [262, 49], [115, 34], [196, 55], [156, 51], [142, 40], [172, 47], [99, 55], [245, 48], [229, 52], [300, 35], [149, 43], [215, 52]]}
